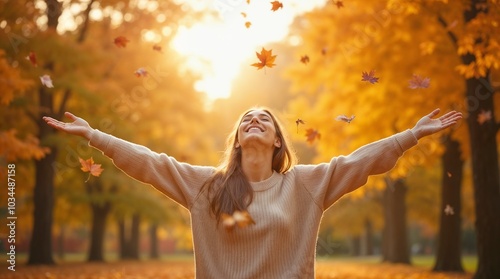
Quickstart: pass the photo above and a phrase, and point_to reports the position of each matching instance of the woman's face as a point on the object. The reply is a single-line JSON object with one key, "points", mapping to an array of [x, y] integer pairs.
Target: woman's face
{"points": [[258, 127]]}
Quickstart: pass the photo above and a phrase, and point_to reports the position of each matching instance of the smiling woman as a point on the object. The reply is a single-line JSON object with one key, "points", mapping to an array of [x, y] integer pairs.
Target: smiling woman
{"points": [[217, 47]]}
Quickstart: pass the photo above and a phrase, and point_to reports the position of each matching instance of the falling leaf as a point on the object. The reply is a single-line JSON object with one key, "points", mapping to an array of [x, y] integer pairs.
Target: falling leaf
{"points": [[304, 59], [248, 24], [324, 50], [238, 218], [276, 5], [248, 1], [32, 58], [417, 81], [141, 72], [121, 41], [46, 81], [345, 118], [244, 14], [157, 48], [483, 117], [449, 210], [452, 25], [339, 4], [312, 134], [369, 77], [299, 121], [448, 174], [266, 58], [90, 167]]}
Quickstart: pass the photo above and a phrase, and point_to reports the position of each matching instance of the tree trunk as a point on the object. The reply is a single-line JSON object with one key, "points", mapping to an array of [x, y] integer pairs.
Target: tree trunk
{"points": [[135, 236], [129, 238], [122, 236], [485, 179], [153, 239], [100, 213], [449, 254], [395, 238], [355, 245], [40, 251], [368, 238], [60, 242]]}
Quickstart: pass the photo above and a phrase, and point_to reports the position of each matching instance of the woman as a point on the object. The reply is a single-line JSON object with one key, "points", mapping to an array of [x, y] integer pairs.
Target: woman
{"points": [[258, 177]]}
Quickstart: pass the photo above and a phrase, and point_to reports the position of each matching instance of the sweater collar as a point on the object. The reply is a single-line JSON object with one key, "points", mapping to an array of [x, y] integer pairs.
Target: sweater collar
{"points": [[266, 184]]}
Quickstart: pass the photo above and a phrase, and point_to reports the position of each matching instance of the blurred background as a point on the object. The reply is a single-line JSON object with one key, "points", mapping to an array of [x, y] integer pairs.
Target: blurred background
{"points": [[175, 75]]}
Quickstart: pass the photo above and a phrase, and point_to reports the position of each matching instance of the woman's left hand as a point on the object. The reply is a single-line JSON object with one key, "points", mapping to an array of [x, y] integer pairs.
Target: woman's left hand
{"points": [[427, 125]]}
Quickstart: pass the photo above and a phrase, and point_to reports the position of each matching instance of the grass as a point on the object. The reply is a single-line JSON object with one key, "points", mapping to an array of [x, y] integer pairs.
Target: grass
{"points": [[469, 262]]}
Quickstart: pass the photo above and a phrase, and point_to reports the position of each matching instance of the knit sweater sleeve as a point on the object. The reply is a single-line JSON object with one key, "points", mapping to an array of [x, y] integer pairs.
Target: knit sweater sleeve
{"points": [[179, 181], [327, 182]]}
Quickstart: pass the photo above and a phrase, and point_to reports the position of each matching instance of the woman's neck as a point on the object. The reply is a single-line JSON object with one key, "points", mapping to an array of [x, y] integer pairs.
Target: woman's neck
{"points": [[257, 164]]}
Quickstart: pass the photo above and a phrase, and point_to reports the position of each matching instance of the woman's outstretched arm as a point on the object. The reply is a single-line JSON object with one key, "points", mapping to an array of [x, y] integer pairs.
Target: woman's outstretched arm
{"points": [[179, 181], [346, 173]]}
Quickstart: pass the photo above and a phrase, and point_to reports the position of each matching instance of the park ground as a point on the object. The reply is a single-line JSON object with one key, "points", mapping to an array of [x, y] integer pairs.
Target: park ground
{"points": [[183, 267]]}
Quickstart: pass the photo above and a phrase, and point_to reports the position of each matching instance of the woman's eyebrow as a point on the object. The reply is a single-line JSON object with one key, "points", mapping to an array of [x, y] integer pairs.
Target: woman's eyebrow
{"points": [[259, 115]]}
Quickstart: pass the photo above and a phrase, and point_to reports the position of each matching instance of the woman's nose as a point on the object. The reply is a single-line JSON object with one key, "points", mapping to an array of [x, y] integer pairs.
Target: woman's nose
{"points": [[255, 120]]}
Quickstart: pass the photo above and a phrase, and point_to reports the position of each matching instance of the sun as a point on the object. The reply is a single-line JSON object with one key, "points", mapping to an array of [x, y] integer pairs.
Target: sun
{"points": [[217, 48]]}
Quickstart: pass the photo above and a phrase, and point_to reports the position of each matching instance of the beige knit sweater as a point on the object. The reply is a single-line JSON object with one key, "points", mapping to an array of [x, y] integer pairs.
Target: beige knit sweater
{"points": [[287, 208]]}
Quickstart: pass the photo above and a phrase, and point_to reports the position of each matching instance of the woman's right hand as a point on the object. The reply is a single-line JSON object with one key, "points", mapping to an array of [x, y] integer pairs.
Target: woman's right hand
{"points": [[78, 127]]}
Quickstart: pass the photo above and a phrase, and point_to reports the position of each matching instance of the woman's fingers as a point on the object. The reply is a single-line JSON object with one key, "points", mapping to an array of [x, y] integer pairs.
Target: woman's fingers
{"points": [[70, 115]]}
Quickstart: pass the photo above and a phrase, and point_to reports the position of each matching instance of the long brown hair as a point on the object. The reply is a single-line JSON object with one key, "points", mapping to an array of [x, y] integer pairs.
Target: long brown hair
{"points": [[228, 188]]}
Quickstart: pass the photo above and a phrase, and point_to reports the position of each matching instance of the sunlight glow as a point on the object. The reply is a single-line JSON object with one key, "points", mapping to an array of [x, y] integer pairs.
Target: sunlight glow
{"points": [[223, 44]]}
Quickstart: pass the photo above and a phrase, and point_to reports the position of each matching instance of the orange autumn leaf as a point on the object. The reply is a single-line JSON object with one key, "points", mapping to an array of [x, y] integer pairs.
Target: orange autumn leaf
{"points": [[304, 59], [339, 4], [312, 134], [276, 5], [90, 167], [121, 41], [248, 24], [484, 116], [239, 218], [157, 48], [266, 59]]}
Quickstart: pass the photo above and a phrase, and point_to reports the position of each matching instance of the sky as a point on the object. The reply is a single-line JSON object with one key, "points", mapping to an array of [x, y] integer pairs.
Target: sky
{"points": [[217, 47]]}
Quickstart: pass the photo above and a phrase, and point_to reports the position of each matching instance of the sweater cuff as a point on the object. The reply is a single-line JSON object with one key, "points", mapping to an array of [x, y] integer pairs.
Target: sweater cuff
{"points": [[99, 140], [406, 140]]}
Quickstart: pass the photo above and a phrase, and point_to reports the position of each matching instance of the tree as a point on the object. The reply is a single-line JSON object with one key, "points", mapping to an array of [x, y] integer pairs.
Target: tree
{"points": [[378, 36], [448, 250]]}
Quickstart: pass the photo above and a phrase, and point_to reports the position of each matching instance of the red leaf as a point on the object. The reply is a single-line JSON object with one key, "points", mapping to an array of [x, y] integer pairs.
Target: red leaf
{"points": [[417, 81], [32, 58], [369, 77], [121, 41], [312, 134]]}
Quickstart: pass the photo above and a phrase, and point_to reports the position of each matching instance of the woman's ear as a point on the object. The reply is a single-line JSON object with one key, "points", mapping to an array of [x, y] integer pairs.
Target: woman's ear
{"points": [[277, 142]]}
